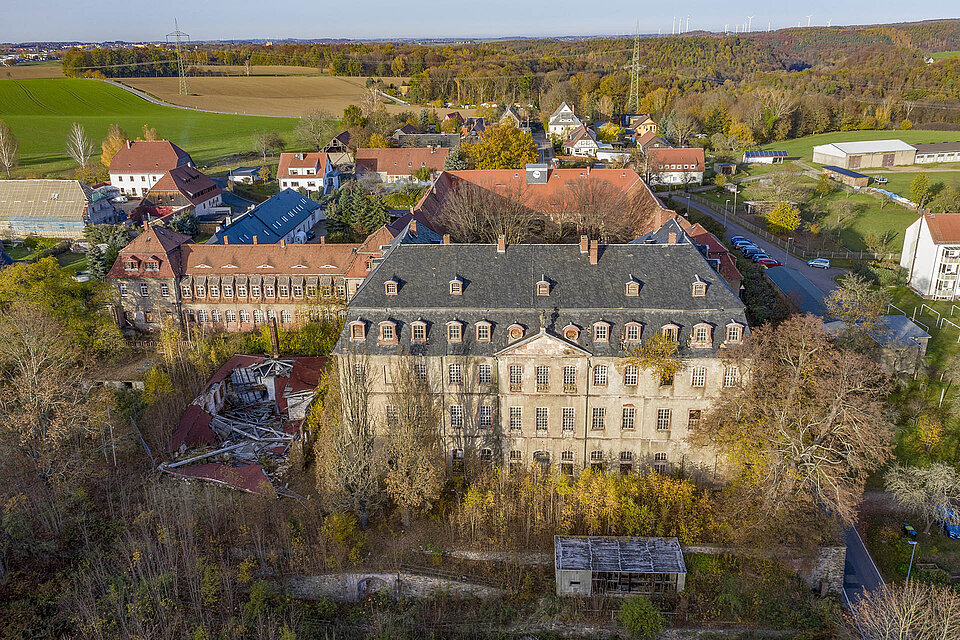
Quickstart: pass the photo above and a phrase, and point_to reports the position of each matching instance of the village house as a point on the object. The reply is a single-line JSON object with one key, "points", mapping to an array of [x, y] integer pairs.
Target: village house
{"points": [[640, 123], [583, 143], [931, 256], [139, 164], [52, 208], [310, 171], [563, 122], [445, 140], [510, 117], [525, 348], [684, 166], [248, 175], [650, 140], [185, 187], [286, 217], [399, 165]]}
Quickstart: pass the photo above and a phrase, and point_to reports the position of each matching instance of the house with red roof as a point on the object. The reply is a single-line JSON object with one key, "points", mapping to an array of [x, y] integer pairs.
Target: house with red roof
{"points": [[184, 187], [310, 171], [399, 164], [140, 164], [684, 166], [931, 256]]}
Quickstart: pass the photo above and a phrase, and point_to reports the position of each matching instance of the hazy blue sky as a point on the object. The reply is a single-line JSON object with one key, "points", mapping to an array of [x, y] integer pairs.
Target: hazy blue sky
{"points": [[99, 20]]}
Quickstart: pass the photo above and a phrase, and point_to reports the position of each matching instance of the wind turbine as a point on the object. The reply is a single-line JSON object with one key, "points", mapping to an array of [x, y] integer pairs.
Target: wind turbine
{"points": [[688, 24], [768, 27], [750, 24], [829, 23], [673, 31], [808, 20]]}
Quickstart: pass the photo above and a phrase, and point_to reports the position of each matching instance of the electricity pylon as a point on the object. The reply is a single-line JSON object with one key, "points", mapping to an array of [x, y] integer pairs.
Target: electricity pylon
{"points": [[633, 99], [181, 67]]}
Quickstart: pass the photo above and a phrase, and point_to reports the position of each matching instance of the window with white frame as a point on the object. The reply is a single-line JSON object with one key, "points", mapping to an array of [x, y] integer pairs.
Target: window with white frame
{"points": [[693, 418], [626, 461], [660, 462], [455, 374], [569, 379], [456, 416], [185, 291], [633, 333], [516, 418], [216, 316], [393, 415], [698, 377], [483, 332], [144, 289], [731, 376], [567, 420], [600, 375], [227, 291], [268, 291], [516, 377], [123, 288], [255, 290], [420, 370], [418, 332], [484, 374], [601, 332], [286, 316], [596, 460], [543, 379], [202, 315], [214, 291], [230, 315], [485, 416], [628, 421], [454, 332], [359, 372], [631, 375], [201, 291], [599, 422], [543, 418], [244, 315], [241, 291], [388, 332], [734, 333], [284, 291], [663, 419], [701, 334], [258, 317], [164, 291]]}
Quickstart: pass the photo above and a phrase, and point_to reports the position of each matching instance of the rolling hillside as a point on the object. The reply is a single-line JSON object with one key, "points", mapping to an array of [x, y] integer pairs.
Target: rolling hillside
{"points": [[40, 112]]}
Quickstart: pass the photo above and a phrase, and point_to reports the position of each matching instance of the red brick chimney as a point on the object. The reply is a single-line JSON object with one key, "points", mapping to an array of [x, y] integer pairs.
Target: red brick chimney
{"points": [[671, 238], [254, 239], [584, 244], [501, 243], [446, 238], [594, 251]]}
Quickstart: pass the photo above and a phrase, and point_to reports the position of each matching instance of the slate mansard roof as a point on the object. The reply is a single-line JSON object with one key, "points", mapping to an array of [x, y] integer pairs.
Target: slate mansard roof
{"points": [[501, 288]]}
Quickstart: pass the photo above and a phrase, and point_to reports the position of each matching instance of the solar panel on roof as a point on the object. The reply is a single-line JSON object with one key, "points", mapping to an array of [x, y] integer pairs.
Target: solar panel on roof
{"points": [[766, 154]]}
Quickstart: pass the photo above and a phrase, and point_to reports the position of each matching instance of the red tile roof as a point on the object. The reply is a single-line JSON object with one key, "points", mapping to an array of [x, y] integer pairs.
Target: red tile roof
{"points": [[196, 187], [148, 156], [315, 160], [155, 243], [401, 161], [944, 227], [684, 156], [246, 476]]}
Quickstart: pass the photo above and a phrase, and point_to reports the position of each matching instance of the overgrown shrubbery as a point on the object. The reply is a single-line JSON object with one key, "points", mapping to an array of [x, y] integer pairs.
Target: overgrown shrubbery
{"points": [[640, 617]]}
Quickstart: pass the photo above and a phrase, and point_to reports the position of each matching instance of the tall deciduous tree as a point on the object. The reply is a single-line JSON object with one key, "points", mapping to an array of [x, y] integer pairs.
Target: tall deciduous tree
{"points": [[806, 424], [783, 218], [415, 469], [116, 138], [315, 129], [349, 468], [920, 189], [267, 143], [473, 214], [79, 146], [502, 148], [915, 610], [9, 148], [858, 304]]}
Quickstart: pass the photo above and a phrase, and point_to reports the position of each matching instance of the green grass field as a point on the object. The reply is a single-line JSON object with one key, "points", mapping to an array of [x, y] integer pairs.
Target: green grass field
{"points": [[943, 55], [40, 112], [900, 182], [803, 147]]}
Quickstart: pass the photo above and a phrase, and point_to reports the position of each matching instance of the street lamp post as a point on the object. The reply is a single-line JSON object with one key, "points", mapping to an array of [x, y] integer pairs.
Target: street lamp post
{"points": [[913, 543], [725, 203], [788, 245]]}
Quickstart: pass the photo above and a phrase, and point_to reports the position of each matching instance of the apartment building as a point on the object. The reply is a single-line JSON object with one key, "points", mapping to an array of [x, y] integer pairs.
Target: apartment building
{"points": [[140, 164], [931, 256], [525, 347]]}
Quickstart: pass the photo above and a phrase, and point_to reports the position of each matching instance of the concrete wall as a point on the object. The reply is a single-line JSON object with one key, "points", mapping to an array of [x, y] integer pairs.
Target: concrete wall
{"points": [[353, 587], [574, 583]]}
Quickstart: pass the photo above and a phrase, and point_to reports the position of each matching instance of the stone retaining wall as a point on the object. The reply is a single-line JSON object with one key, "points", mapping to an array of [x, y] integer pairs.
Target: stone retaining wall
{"points": [[355, 586]]}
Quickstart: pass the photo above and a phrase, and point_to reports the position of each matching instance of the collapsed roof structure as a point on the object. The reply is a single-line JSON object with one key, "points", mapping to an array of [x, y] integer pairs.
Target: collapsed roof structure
{"points": [[239, 430]]}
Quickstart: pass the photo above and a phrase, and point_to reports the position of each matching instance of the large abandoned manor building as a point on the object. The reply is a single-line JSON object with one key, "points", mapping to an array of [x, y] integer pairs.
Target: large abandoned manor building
{"points": [[525, 346]]}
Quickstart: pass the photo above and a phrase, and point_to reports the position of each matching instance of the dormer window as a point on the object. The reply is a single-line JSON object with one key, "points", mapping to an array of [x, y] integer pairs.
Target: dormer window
{"points": [[151, 265], [456, 287], [601, 332], [571, 333], [702, 336], [390, 287], [633, 288], [515, 332], [388, 332], [699, 288], [131, 265], [734, 333], [632, 332], [543, 287], [483, 332], [454, 331], [358, 331], [418, 331], [670, 332]]}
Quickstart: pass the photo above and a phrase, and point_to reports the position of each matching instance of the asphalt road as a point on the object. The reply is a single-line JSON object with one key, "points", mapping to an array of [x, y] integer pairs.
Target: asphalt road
{"points": [[860, 573], [822, 279]]}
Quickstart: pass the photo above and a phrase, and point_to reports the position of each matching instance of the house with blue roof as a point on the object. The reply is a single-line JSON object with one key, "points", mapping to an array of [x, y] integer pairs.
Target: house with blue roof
{"points": [[287, 217]]}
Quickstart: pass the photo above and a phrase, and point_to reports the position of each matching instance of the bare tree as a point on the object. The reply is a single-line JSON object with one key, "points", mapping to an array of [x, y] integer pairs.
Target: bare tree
{"points": [[806, 424], [782, 186], [475, 214], [683, 127], [267, 143], [46, 410], [415, 469], [597, 209], [348, 465], [933, 492], [79, 146], [316, 128], [859, 305], [9, 148], [916, 611]]}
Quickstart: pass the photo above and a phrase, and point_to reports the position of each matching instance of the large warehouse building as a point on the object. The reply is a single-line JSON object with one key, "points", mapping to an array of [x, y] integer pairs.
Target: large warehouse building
{"points": [[863, 155]]}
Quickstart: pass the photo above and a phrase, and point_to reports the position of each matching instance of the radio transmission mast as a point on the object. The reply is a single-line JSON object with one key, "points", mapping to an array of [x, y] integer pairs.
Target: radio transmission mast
{"points": [[179, 36], [633, 100]]}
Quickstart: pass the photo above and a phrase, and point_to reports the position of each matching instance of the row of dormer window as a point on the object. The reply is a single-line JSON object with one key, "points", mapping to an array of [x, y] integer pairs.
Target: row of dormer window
{"points": [[133, 264], [256, 291], [701, 336], [544, 286]]}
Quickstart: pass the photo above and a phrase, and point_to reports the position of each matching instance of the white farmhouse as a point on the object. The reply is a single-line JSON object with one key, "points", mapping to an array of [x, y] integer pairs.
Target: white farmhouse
{"points": [[311, 171], [138, 165], [563, 122], [931, 256]]}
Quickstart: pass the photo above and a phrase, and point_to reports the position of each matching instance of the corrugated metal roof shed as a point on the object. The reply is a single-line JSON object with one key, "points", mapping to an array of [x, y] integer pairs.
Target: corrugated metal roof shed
{"points": [[618, 554]]}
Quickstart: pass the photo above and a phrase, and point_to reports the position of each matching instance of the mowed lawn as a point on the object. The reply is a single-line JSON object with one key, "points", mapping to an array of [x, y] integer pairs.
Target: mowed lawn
{"points": [[901, 183], [41, 111], [803, 147]]}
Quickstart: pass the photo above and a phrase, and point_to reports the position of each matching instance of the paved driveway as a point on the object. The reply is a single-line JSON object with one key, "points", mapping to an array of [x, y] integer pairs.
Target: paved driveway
{"points": [[859, 571], [822, 279]]}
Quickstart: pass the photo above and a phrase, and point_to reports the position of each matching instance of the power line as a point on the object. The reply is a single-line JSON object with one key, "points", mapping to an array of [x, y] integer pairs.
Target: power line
{"points": [[181, 69]]}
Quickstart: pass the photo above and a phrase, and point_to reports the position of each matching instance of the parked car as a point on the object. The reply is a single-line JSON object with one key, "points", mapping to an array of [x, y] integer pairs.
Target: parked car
{"points": [[751, 251], [735, 239], [819, 263], [768, 262], [119, 199], [757, 257], [740, 242]]}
